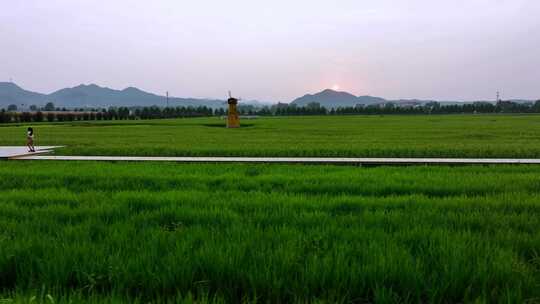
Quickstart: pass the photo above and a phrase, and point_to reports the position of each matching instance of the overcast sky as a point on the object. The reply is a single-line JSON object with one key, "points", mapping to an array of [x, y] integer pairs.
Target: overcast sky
{"points": [[276, 50]]}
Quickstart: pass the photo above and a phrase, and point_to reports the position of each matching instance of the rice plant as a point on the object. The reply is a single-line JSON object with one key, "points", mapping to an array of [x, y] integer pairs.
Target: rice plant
{"points": [[511, 136], [166, 233]]}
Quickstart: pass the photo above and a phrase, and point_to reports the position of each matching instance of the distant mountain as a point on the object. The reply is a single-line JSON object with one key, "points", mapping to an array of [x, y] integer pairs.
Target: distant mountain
{"points": [[334, 99], [11, 93], [92, 96], [95, 96], [256, 103]]}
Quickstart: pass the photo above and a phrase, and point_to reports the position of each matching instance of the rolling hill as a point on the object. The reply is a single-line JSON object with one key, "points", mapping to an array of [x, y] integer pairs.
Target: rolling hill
{"points": [[11, 93], [90, 96], [334, 99], [94, 96]]}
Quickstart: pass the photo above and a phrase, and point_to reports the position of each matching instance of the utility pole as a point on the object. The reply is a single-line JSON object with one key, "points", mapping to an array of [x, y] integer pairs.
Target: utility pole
{"points": [[167, 99], [498, 96]]}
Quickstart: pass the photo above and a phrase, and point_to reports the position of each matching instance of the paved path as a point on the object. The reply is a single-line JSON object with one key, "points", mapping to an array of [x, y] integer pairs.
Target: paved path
{"points": [[301, 160], [10, 152], [21, 153]]}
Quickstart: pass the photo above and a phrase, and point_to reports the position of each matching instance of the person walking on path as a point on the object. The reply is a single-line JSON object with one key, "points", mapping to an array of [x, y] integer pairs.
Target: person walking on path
{"points": [[30, 140]]}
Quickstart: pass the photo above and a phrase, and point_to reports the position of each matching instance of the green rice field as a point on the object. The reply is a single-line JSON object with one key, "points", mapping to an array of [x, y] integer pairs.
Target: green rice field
{"points": [[167, 233], [509, 136]]}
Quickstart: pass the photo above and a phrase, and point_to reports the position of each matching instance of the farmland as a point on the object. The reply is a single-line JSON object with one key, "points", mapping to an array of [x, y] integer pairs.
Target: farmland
{"points": [[164, 232], [268, 233], [508, 136]]}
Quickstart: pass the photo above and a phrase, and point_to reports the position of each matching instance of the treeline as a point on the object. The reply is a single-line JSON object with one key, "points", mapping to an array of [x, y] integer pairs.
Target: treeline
{"points": [[429, 108], [113, 113], [155, 112]]}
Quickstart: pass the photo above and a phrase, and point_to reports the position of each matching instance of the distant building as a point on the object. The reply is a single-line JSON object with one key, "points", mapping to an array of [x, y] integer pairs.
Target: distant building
{"points": [[410, 104]]}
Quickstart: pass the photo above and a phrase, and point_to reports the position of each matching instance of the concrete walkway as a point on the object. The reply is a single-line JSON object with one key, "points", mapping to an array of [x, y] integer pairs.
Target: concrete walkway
{"points": [[299, 160], [21, 153], [13, 152]]}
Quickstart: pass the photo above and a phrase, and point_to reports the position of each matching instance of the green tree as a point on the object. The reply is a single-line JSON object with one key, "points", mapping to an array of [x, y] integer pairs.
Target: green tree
{"points": [[49, 106], [26, 117], [536, 106], [50, 117], [12, 108], [38, 117], [313, 106], [4, 116]]}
